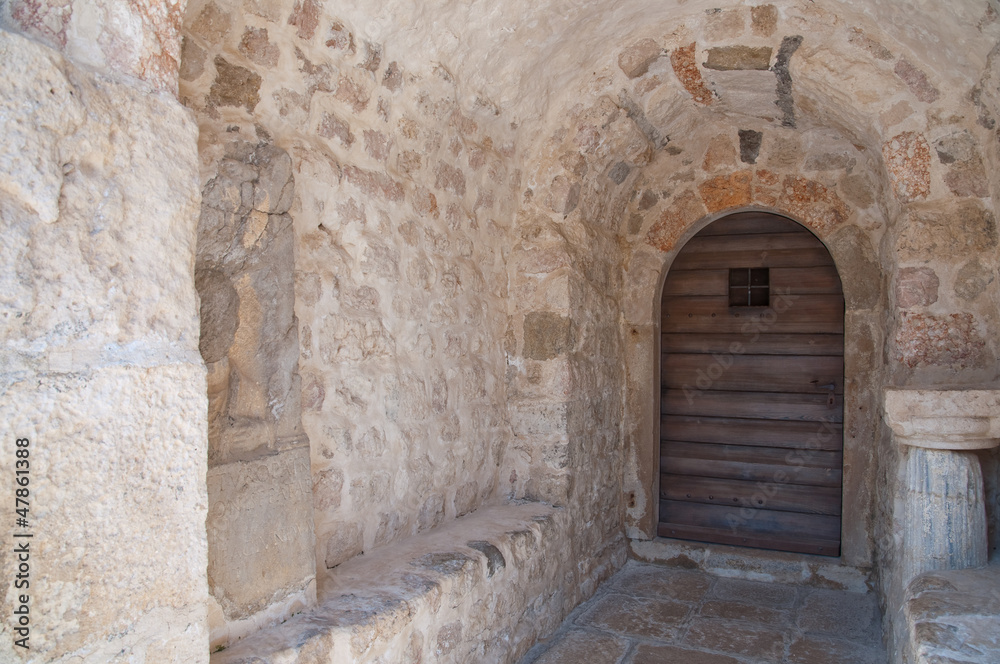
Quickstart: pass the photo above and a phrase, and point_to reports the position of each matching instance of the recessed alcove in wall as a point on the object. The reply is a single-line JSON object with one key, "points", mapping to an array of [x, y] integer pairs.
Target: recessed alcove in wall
{"points": [[854, 259]]}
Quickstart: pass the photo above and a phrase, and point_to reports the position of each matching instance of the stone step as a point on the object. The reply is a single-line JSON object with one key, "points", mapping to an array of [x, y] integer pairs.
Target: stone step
{"points": [[754, 564]]}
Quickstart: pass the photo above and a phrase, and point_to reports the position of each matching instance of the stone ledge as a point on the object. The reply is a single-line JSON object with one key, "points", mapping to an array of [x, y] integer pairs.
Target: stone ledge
{"points": [[480, 588], [953, 616], [945, 419]]}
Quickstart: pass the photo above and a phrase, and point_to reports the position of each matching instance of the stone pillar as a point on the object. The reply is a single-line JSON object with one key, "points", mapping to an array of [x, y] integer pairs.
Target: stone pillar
{"points": [[100, 376], [943, 519]]}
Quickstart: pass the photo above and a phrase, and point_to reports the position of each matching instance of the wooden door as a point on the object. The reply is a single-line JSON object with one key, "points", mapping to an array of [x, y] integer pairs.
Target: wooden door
{"points": [[752, 376]]}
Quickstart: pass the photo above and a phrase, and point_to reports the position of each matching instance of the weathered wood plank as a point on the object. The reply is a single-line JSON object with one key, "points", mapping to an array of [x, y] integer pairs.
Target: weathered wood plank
{"points": [[753, 405], [812, 314], [757, 494], [786, 434], [754, 373], [751, 222], [766, 344], [746, 520], [773, 541], [802, 257], [753, 464], [724, 245]]}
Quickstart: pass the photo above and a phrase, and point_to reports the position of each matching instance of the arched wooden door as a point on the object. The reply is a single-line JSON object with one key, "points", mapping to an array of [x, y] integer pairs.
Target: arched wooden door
{"points": [[752, 376]]}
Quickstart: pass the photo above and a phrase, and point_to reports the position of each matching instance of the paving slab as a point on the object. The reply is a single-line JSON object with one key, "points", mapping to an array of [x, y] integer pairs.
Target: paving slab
{"points": [[637, 616], [579, 645], [737, 638], [655, 614]]}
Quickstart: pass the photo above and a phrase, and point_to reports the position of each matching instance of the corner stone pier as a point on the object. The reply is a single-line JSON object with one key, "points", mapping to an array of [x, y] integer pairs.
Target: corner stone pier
{"points": [[943, 515]]}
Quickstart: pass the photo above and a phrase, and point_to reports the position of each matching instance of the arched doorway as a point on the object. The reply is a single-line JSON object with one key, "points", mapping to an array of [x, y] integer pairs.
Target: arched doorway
{"points": [[751, 397]]}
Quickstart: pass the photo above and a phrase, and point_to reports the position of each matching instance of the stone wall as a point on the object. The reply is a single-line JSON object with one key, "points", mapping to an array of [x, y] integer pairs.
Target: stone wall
{"points": [[100, 369], [757, 109], [388, 225], [429, 260]]}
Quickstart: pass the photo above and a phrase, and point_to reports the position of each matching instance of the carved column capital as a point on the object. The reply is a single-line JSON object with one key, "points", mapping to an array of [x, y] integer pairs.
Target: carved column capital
{"points": [[944, 419]]}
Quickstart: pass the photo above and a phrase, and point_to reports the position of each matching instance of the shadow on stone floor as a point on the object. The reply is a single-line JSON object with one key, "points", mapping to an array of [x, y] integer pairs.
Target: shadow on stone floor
{"points": [[650, 614]]}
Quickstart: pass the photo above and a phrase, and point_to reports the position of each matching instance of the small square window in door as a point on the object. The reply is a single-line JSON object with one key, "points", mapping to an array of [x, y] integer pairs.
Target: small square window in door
{"points": [[749, 287]]}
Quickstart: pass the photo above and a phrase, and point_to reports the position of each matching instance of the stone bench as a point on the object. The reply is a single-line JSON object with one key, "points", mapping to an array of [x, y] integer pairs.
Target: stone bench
{"points": [[482, 588], [953, 617]]}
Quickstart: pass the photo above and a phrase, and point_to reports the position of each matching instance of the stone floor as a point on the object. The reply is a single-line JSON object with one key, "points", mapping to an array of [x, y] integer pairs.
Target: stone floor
{"points": [[650, 614]]}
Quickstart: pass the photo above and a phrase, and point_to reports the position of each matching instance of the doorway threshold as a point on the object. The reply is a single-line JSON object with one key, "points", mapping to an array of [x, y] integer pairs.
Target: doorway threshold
{"points": [[754, 564]]}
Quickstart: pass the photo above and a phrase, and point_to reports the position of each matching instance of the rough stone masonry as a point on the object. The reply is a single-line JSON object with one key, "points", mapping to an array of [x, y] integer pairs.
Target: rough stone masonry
{"points": [[290, 284]]}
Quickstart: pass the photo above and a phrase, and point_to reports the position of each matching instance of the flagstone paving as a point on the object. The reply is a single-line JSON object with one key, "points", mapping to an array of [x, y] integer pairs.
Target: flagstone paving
{"points": [[651, 614]]}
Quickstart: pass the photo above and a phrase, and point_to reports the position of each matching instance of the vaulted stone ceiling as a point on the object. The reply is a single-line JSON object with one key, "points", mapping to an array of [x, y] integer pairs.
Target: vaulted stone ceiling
{"points": [[531, 59]]}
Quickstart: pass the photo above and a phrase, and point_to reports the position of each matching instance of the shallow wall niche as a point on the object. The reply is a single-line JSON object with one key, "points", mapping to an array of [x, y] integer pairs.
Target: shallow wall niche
{"points": [[259, 474]]}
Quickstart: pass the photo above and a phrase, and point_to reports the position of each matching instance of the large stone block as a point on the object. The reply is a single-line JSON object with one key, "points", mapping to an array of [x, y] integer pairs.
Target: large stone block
{"points": [[111, 281], [260, 531], [116, 459]]}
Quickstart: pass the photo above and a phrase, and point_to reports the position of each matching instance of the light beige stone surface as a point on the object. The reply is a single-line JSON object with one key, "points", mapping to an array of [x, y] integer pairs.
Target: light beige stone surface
{"points": [[432, 242], [100, 368], [945, 419], [105, 586]]}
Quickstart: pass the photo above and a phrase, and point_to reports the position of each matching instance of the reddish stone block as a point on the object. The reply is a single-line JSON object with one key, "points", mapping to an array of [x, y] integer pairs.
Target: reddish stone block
{"points": [[393, 77], [908, 159], [256, 46], [740, 611], [648, 653], [917, 81], [810, 202], [736, 637], [450, 179], [686, 209], [351, 93], [767, 178], [377, 145], [305, 17], [465, 125], [637, 616], [583, 646], [374, 184], [340, 38], [43, 19], [764, 20], [810, 649], [656, 581], [686, 69], [425, 202], [409, 161], [234, 86], [721, 152], [726, 191], [951, 340], [758, 593], [331, 126], [841, 615], [863, 41]]}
